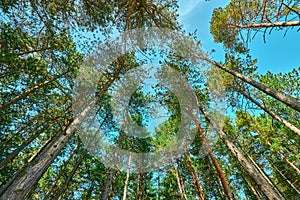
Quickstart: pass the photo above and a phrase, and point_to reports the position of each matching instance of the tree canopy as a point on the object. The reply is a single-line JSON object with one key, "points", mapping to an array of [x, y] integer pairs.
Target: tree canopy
{"points": [[246, 127]]}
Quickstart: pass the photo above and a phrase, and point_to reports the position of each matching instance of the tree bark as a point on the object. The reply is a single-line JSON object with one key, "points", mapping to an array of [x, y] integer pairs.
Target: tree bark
{"points": [[31, 173], [286, 99], [194, 175], [60, 173], [127, 178], [12, 155], [69, 179], [272, 114], [266, 25], [264, 185], [214, 160], [181, 190], [30, 90]]}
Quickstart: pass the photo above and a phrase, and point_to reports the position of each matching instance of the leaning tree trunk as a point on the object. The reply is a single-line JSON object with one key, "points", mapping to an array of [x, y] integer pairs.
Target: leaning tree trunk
{"points": [[287, 99], [27, 178], [30, 90], [266, 25], [68, 180], [264, 185], [13, 154], [181, 190], [60, 173], [214, 160], [272, 114], [287, 180], [127, 178], [192, 170]]}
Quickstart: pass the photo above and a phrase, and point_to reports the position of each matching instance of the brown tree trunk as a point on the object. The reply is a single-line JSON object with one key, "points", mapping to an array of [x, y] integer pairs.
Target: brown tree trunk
{"points": [[272, 114], [267, 25], [214, 160], [68, 180], [264, 185], [287, 180], [192, 170], [287, 99], [60, 173], [181, 190], [31, 173], [27, 92], [12, 155], [140, 192]]}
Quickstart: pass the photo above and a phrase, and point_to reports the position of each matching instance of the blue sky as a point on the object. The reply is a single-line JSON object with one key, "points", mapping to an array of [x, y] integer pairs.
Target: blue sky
{"points": [[278, 54]]}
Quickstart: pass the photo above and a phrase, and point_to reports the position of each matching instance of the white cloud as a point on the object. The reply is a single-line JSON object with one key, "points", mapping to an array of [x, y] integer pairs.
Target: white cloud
{"points": [[187, 6]]}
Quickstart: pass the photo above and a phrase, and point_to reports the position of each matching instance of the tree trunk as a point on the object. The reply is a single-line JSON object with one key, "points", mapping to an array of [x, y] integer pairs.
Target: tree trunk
{"points": [[287, 99], [214, 160], [252, 187], [272, 114], [69, 179], [158, 187], [286, 160], [264, 185], [111, 171], [287, 180], [21, 184], [60, 173], [12, 155], [30, 90], [267, 25], [127, 178], [181, 190], [194, 175], [263, 174]]}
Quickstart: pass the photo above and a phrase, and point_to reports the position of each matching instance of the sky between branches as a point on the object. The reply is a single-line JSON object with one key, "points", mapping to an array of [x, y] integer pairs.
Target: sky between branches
{"points": [[279, 54]]}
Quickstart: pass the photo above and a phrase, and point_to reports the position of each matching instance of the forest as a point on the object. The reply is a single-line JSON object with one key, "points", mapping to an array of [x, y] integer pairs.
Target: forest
{"points": [[116, 100]]}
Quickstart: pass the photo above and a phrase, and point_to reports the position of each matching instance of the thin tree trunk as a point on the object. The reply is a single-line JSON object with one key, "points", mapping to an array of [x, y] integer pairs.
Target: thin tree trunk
{"points": [[287, 99], [214, 160], [252, 188], [27, 92], [286, 160], [266, 25], [22, 183], [140, 193], [127, 177], [262, 173], [158, 187], [69, 179], [182, 185], [111, 171], [194, 175], [264, 185], [12, 155], [272, 114], [181, 190], [287, 180], [60, 173]]}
